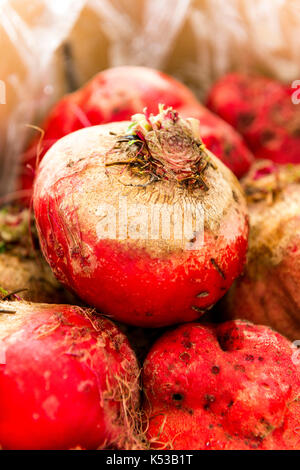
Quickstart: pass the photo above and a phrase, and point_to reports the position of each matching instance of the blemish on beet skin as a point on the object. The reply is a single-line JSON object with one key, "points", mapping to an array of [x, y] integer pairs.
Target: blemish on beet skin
{"points": [[215, 370], [217, 267], [239, 367], [249, 357], [245, 120], [208, 400], [235, 196], [177, 397], [198, 309], [267, 135], [185, 357], [202, 294]]}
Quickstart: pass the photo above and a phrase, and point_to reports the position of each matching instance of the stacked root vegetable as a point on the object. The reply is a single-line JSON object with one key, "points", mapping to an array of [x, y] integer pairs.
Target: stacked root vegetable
{"points": [[132, 314]]}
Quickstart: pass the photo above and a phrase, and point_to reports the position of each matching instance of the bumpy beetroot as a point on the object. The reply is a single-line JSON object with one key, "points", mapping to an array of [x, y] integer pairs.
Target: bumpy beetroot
{"points": [[23, 270], [262, 110], [141, 221], [268, 291], [221, 387], [68, 379], [118, 93]]}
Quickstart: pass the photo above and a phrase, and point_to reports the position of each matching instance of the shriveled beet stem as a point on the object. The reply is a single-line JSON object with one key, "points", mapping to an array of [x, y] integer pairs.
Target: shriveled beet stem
{"points": [[165, 146]]}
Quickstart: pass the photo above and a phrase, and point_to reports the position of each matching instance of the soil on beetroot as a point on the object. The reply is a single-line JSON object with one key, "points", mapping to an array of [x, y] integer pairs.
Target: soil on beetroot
{"points": [[24, 274], [267, 292]]}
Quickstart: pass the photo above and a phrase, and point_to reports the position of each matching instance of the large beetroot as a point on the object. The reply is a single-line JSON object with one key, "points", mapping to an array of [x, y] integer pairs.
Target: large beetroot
{"points": [[222, 387], [118, 93], [262, 110], [268, 291], [68, 379], [141, 220]]}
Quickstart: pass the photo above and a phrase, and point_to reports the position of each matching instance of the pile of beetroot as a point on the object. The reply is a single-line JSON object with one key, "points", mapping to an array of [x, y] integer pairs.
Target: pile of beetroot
{"points": [[156, 331]]}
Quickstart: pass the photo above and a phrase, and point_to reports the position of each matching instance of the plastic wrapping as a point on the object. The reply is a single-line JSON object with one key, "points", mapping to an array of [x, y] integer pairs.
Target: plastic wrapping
{"points": [[50, 47]]}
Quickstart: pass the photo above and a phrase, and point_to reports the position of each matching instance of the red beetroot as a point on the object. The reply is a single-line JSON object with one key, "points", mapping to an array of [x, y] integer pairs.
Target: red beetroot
{"points": [[222, 387], [118, 93], [110, 204], [68, 379], [262, 110], [268, 291]]}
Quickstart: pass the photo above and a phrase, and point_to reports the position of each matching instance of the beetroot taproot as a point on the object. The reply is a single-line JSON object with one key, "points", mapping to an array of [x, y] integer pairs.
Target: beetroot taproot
{"points": [[118, 93], [68, 379], [263, 111], [140, 220], [268, 291], [222, 387]]}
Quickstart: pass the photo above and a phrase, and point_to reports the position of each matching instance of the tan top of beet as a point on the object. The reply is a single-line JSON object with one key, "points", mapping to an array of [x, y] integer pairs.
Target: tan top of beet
{"points": [[273, 195], [93, 158]]}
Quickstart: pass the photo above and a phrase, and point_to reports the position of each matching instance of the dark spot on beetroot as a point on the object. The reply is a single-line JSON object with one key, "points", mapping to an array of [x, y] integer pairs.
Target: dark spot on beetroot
{"points": [[231, 340], [187, 344], [245, 120], [266, 136], [215, 370], [177, 396], [208, 400], [239, 367], [228, 148], [235, 196], [217, 267], [249, 357]]}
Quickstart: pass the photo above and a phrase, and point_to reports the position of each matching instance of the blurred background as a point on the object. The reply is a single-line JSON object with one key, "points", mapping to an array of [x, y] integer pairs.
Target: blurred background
{"points": [[51, 47]]}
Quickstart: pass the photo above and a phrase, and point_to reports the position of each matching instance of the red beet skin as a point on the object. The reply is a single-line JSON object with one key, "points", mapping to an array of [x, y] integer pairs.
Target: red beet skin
{"points": [[222, 387], [118, 93], [139, 279], [60, 379], [262, 111]]}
